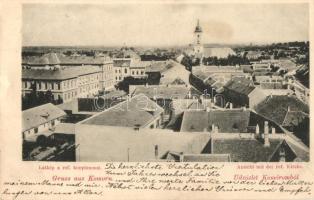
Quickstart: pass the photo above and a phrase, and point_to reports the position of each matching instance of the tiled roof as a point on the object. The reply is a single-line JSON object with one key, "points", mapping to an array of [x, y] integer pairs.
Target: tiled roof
{"points": [[59, 74], [301, 152], [293, 118], [276, 107], [137, 111], [246, 150], [240, 85], [36, 116], [254, 53], [159, 66], [121, 62], [164, 92], [60, 59], [228, 121], [139, 64], [268, 78], [174, 71], [102, 143]]}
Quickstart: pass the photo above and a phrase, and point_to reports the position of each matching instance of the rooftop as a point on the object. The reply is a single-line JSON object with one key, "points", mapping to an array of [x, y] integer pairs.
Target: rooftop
{"points": [[276, 107], [136, 111], [162, 91], [240, 85], [249, 149], [65, 128], [139, 64], [294, 118], [59, 74], [36, 116], [60, 59], [159, 66], [246, 150], [102, 143], [228, 121]]}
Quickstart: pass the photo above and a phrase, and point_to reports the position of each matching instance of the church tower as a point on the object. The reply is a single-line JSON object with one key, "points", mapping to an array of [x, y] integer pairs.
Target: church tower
{"points": [[198, 46]]}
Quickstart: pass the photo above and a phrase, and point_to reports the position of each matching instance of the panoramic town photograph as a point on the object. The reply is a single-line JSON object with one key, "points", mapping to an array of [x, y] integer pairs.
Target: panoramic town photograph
{"points": [[165, 82]]}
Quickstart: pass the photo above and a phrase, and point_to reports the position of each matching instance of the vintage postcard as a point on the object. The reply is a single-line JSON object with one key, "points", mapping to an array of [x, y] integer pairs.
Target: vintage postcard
{"points": [[156, 100]]}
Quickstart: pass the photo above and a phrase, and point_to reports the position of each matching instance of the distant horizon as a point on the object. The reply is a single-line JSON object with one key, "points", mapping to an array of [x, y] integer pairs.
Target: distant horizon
{"points": [[162, 24], [165, 46]]}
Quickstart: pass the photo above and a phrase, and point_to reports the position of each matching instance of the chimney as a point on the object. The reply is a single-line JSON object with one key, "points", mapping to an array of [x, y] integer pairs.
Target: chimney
{"points": [[146, 85], [213, 128], [273, 130], [207, 109], [231, 106], [244, 108], [156, 152], [190, 95], [257, 131], [288, 108], [266, 134], [205, 130], [282, 155], [181, 156]]}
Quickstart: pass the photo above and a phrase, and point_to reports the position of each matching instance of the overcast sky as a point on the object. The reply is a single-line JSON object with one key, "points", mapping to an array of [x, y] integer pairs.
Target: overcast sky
{"points": [[167, 24]]}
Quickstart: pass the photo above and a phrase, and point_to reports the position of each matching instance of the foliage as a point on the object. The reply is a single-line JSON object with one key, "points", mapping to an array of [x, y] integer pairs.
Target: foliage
{"points": [[124, 85], [37, 98], [230, 60]]}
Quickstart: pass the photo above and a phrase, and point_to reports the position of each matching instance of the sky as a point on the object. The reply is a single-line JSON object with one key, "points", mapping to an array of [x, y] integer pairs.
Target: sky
{"points": [[162, 24]]}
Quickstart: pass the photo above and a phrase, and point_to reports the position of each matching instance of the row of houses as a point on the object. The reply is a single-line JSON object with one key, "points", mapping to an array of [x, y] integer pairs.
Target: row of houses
{"points": [[243, 137], [78, 77]]}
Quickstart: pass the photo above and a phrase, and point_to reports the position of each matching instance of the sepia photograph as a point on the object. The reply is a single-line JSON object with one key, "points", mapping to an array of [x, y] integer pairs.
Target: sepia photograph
{"points": [[165, 82]]}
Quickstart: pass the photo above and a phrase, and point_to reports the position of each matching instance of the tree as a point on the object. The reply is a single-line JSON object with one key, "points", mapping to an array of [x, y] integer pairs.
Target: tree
{"points": [[49, 97]]}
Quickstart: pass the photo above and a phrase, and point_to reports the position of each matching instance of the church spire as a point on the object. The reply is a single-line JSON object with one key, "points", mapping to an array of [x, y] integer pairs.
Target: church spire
{"points": [[198, 28]]}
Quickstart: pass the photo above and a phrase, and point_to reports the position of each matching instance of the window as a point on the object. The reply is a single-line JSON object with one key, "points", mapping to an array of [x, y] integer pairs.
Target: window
{"points": [[151, 126], [59, 86], [36, 130], [125, 70]]}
